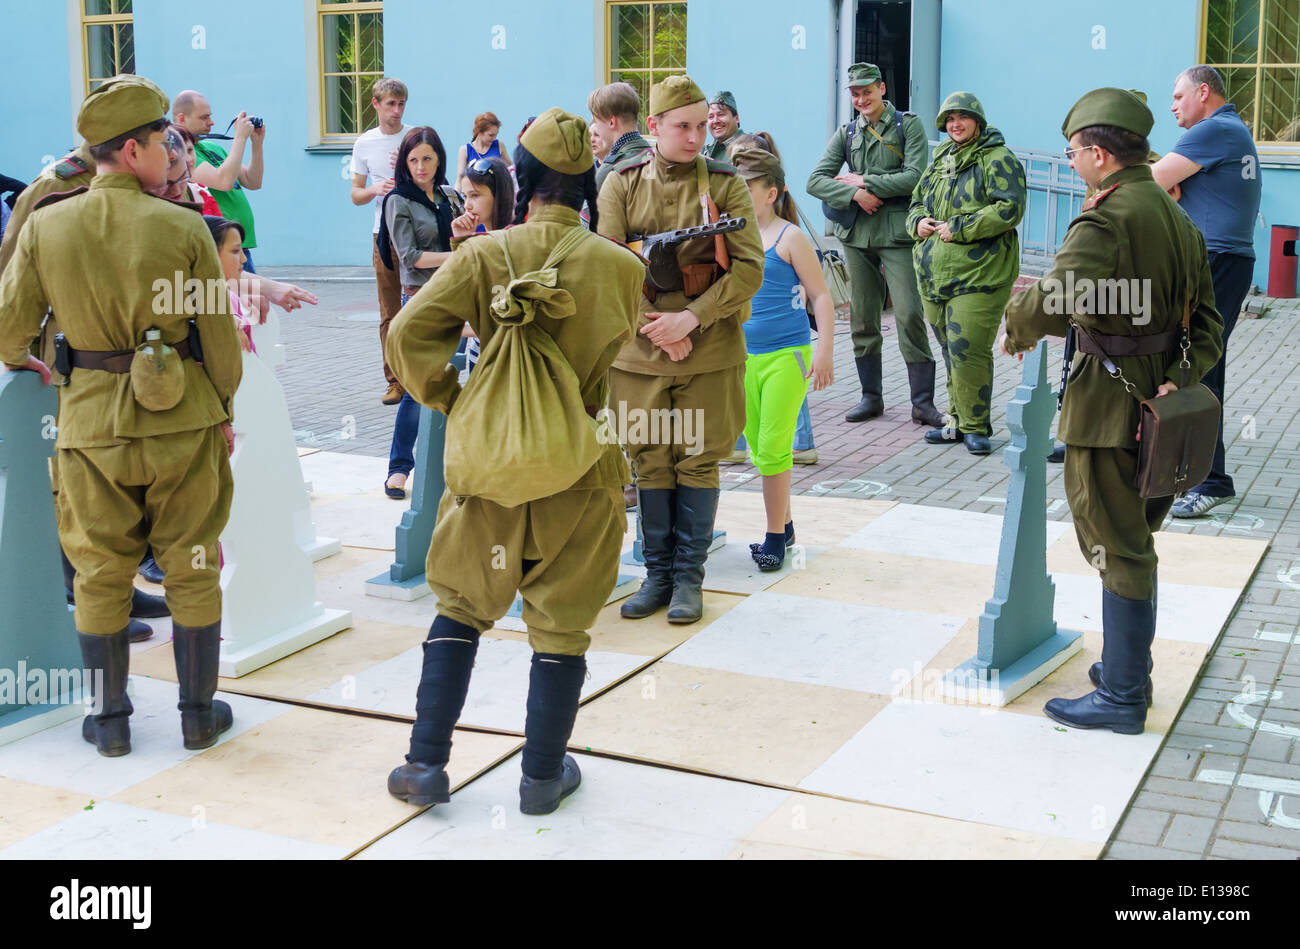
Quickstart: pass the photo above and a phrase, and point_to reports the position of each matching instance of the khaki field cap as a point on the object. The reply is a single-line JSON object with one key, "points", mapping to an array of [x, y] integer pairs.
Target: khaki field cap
{"points": [[559, 140], [863, 74], [673, 93], [961, 102], [754, 163], [1109, 106], [121, 104]]}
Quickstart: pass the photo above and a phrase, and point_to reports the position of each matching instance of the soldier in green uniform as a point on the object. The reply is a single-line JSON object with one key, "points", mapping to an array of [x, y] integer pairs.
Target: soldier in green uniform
{"points": [[687, 360], [724, 125], [886, 159], [131, 476], [1129, 231], [560, 552], [963, 216]]}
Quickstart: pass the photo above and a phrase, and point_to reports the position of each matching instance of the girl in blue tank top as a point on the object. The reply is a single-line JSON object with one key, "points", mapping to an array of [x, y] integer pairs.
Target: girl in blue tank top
{"points": [[781, 359]]}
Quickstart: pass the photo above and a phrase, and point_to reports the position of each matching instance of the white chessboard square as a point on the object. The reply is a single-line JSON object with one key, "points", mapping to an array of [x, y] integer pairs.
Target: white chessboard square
{"points": [[939, 533]]}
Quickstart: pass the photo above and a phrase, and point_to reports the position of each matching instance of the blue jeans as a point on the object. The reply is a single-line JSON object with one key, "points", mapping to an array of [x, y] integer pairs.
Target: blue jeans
{"points": [[803, 433], [401, 456]]}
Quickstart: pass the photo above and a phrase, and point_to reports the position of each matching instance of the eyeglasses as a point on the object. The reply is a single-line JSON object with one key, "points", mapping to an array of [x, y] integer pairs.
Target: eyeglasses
{"points": [[1069, 152], [482, 167]]}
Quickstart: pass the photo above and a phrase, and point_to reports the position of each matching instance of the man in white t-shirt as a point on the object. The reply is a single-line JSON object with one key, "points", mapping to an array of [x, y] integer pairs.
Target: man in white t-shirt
{"points": [[374, 156]]}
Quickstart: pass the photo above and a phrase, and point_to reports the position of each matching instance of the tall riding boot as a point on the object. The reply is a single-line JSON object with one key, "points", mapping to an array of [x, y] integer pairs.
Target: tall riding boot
{"points": [[920, 377], [658, 512], [1119, 703], [554, 689], [107, 659], [869, 374], [198, 654], [1094, 671], [444, 681], [696, 510]]}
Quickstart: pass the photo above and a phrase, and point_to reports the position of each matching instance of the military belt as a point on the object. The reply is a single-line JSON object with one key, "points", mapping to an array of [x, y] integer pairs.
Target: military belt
{"points": [[118, 360], [1101, 346]]}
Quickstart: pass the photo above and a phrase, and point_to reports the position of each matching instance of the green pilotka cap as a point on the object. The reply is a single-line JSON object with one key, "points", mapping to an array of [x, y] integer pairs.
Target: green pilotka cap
{"points": [[673, 93], [558, 139], [1118, 108], [119, 105], [727, 99], [751, 163], [863, 74]]}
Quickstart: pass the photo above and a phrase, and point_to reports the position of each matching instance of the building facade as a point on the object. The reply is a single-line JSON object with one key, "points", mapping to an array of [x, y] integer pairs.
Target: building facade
{"points": [[305, 67]]}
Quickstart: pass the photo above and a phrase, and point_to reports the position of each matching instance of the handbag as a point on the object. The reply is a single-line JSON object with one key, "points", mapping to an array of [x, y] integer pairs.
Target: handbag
{"points": [[1177, 433], [836, 272]]}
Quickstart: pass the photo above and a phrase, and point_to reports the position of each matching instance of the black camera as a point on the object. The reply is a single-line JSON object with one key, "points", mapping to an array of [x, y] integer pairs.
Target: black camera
{"points": [[255, 121]]}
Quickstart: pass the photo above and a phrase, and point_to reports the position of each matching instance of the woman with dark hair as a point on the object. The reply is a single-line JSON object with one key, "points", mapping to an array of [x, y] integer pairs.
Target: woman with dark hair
{"points": [[482, 144], [229, 238], [489, 198], [560, 551], [415, 225]]}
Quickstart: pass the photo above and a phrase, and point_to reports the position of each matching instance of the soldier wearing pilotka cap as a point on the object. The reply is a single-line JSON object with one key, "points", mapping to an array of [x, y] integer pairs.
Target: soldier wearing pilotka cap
{"points": [[1132, 231], [143, 444], [724, 124]]}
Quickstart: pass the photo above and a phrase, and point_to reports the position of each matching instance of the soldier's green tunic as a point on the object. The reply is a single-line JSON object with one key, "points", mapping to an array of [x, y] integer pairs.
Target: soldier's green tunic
{"points": [[130, 477], [648, 195], [561, 552], [880, 238], [717, 150], [979, 190], [1134, 232]]}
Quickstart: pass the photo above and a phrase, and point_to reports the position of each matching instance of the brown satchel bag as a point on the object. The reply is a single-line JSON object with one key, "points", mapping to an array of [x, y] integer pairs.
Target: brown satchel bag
{"points": [[1178, 432]]}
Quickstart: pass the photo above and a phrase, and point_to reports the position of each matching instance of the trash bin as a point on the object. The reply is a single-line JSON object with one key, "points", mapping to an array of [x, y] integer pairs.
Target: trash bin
{"points": [[1282, 261]]}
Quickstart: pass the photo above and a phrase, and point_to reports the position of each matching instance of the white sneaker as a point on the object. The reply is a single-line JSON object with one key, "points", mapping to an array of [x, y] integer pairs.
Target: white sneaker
{"points": [[806, 456], [1195, 504]]}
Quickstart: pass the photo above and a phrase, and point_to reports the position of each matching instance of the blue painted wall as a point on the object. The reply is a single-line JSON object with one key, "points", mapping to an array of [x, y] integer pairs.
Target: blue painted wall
{"points": [[35, 98], [1028, 64], [1029, 75]]}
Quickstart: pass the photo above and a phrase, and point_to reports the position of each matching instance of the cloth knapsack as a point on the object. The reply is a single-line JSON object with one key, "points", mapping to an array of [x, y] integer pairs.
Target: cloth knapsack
{"points": [[520, 431]]}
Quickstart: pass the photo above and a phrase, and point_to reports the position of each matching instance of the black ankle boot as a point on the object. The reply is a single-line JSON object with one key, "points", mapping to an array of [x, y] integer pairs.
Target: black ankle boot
{"points": [[869, 375], [198, 653], [920, 378], [1119, 703], [138, 632], [147, 606], [107, 659], [658, 509], [149, 569], [696, 510], [554, 690], [444, 682]]}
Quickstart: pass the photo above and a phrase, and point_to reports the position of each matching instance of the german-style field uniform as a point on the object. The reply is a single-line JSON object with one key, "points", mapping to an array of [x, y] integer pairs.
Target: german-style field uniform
{"points": [[978, 188], [717, 150], [1133, 232], [629, 145], [890, 155], [677, 477], [141, 458], [560, 552]]}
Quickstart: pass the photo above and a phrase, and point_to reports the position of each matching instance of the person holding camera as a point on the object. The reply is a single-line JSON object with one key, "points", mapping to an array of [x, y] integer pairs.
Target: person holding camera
{"points": [[221, 172]]}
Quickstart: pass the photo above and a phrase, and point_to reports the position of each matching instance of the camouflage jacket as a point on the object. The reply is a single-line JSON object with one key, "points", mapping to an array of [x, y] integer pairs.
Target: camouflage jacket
{"points": [[979, 190]]}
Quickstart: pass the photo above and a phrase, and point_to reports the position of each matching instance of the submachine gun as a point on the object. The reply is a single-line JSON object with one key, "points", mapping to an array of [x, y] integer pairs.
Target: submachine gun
{"points": [[664, 273]]}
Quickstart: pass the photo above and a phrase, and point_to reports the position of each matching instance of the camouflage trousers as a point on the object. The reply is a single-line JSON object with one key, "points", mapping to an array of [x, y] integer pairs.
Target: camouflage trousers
{"points": [[966, 327]]}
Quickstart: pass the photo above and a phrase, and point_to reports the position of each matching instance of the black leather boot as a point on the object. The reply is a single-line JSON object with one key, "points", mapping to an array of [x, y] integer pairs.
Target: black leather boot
{"points": [[149, 568], [107, 659], [147, 606], [1094, 671], [920, 378], [658, 514], [1057, 454], [696, 510], [554, 689], [444, 681], [869, 374], [1119, 703], [198, 652]]}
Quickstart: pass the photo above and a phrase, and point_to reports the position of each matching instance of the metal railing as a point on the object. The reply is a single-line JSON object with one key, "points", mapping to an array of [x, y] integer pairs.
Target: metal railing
{"points": [[1055, 197]]}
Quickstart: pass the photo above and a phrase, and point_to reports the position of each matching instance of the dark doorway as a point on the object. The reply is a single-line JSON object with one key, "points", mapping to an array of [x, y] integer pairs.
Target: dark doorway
{"points": [[884, 37]]}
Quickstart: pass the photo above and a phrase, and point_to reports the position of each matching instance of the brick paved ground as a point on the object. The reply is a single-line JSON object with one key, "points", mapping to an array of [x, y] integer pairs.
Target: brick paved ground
{"points": [[334, 373]]}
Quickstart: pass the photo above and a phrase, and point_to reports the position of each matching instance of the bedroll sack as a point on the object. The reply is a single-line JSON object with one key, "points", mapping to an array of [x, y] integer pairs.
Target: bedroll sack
{"points": [[519, 431]]}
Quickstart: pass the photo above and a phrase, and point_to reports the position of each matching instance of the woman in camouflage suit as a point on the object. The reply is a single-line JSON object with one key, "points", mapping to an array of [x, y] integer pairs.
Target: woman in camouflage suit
{"points": [[963, 217]]}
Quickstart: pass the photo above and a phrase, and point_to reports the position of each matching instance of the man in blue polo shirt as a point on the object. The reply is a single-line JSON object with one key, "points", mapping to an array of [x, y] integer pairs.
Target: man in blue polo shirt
{"points": [[1213, 172]]}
